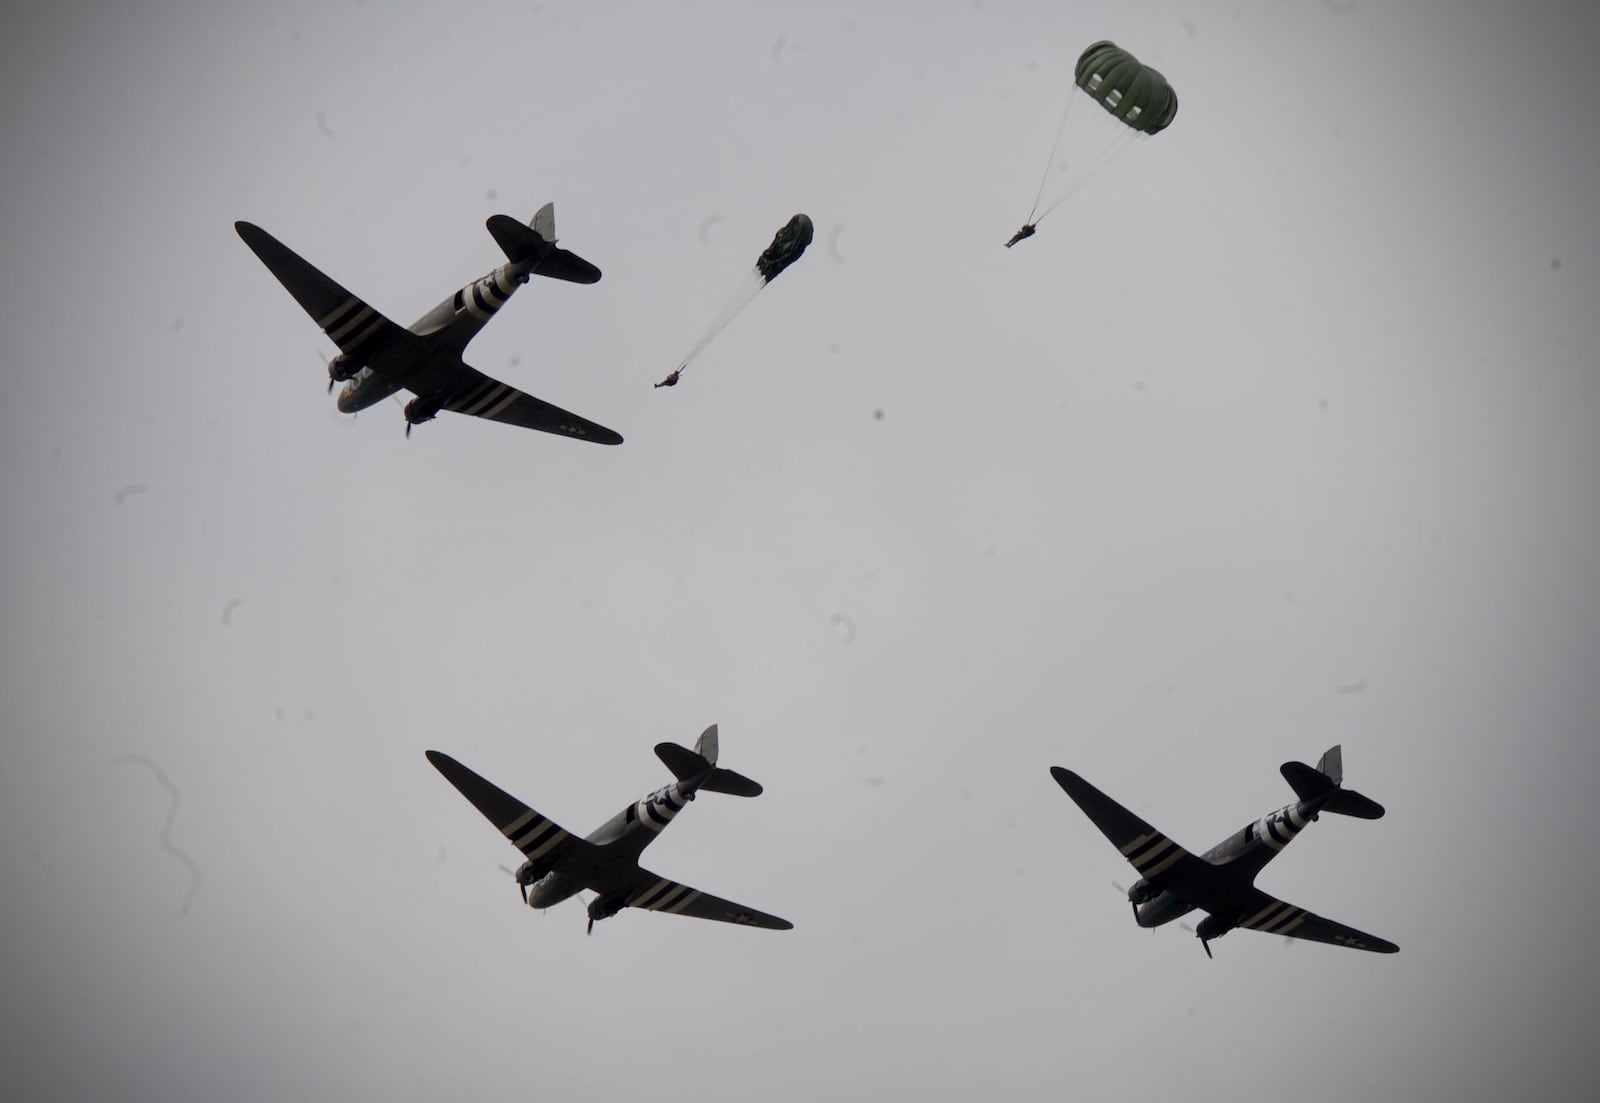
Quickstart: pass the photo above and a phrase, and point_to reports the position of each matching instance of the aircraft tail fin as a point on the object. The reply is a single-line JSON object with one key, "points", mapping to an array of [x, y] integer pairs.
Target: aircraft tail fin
{"points": [[685, 763], [536, 243], [544, 222], [1309, 784]]}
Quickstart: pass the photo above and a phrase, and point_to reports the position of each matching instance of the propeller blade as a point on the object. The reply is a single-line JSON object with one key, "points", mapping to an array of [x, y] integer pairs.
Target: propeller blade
{"points": [[591, 926], [1206, 946], [408, 430]]}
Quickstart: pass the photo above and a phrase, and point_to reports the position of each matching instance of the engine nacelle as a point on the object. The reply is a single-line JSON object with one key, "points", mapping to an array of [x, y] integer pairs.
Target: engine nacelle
{"points": [[1212, 927], [531, 872], [1142, 892], [342, 369], [423, 408], [604, 907]]}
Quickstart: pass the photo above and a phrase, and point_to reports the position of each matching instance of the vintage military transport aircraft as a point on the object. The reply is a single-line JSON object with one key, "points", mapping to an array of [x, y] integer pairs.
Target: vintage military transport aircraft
{"points": [[377, 358], [559, 865], [1221, 882]]}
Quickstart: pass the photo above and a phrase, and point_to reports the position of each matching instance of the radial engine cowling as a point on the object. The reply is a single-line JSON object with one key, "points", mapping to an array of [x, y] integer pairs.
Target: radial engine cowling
{"points": [[342, 369], [531, 873], [423, 408]]}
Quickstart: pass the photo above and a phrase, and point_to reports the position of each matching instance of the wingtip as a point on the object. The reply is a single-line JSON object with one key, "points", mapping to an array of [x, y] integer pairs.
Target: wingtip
{"points": [[1063, 776]]}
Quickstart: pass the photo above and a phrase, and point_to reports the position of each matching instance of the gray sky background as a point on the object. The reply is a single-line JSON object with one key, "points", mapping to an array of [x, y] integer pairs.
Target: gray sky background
{"points": [[1278, 435]]}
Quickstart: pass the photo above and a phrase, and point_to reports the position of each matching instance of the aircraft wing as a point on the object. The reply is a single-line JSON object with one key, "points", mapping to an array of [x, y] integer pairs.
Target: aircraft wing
{"points": [[1157, 858], [1269, 914], [531, 833], [472, 392], [348, 321], [658, 894]]}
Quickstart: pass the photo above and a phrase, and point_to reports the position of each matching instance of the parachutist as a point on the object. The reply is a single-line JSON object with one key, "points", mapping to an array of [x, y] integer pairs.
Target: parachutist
{"points": [[1027, 231], [787, 246]]}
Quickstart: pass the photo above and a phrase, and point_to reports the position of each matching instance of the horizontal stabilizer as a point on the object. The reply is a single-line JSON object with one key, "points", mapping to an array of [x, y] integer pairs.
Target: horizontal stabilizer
{"points": [[731, 782], [1348, 802], [686, 764], [1308, 784], [524, 243], [681, 760]]}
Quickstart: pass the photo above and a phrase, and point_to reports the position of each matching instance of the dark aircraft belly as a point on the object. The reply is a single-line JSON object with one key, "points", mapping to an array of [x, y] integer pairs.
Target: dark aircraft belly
{"points": [[370, 388], [553, 889], [1163, 909]]}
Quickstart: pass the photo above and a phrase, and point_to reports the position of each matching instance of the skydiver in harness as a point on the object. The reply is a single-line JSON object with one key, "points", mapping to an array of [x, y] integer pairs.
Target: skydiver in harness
{"points": [[671, 380], [1027, 231]]}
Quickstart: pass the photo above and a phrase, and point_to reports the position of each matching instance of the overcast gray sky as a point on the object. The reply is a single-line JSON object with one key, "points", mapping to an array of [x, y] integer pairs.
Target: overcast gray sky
{"points": [[1278, 435]]}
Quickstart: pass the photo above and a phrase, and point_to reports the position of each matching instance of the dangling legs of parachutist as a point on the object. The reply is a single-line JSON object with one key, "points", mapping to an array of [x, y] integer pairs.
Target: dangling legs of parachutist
{"points": [[671, 380]]}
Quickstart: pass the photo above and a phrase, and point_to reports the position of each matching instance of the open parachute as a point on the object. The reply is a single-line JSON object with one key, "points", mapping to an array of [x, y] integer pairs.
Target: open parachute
{"points": [[1116, 101], [787, 246]]}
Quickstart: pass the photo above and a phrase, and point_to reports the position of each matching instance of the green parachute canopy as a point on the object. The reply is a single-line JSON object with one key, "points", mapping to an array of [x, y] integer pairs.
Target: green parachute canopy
{"points": [[1116, 101], [1132, 91], [787, 245]]}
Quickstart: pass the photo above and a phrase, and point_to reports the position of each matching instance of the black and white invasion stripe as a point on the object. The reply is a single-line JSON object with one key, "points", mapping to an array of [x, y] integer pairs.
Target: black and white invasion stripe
{"points": [[1152, 854], [658, 809], [483, 297], [534, 835], [1276, 918], [1279, 829], [665, 896], [486, 399], [352, 324]]}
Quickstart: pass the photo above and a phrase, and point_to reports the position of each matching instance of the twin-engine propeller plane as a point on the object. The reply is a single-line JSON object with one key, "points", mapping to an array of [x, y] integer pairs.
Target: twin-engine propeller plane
{"points": [[1221, 882], [559, 865], [377, 358]]}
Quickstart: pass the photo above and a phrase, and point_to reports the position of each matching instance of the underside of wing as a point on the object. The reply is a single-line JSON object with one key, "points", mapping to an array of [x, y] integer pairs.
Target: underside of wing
{"points": [[658, 894], [480, 396], [535, 835], [1157, 858], [358, 329], [1273, 916]]}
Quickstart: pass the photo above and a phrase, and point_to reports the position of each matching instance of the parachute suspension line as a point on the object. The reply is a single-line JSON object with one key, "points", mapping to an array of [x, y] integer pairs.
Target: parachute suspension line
{"points": [[1107, 153], [748, 288], [1085, 133], [1066, 115]]}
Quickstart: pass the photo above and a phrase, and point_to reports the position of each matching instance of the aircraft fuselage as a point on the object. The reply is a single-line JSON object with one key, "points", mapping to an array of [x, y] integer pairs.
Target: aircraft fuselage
{"points": [[1240, 856], [447, 328], [624, 835]]}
